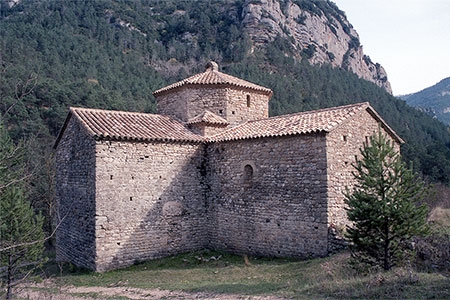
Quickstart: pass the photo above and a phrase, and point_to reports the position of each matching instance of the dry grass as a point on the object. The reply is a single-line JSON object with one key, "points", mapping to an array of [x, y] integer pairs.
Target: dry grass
{"points": [[440, 216]]}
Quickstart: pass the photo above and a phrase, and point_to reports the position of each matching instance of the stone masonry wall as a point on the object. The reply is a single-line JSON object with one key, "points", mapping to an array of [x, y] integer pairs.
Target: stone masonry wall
{"points": [[150, 201], [343, 144], [205, 129], [75, 191], [188, 102], [229, 103], [281, 210], [237, 110]]}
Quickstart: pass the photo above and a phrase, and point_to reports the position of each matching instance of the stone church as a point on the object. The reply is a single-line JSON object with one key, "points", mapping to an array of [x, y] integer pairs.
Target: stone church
{"points": [[211, 170]]}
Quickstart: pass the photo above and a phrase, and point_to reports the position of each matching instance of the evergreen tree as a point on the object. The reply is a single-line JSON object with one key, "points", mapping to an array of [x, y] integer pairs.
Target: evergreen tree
{"points": [[21, 234], [382, 207]]}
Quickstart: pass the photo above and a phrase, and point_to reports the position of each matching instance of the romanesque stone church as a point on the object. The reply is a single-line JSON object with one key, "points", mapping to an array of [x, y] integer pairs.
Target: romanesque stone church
{"points": [[211, 170]]}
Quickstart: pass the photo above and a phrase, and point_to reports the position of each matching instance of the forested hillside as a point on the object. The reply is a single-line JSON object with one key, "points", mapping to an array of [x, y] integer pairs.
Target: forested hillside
{"points": [[434, 100], [112, 54]]}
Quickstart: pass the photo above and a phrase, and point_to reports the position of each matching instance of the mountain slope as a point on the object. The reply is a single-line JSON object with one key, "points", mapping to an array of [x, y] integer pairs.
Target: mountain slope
{"points": [[113, 53], [434, 100], [318, 30]]}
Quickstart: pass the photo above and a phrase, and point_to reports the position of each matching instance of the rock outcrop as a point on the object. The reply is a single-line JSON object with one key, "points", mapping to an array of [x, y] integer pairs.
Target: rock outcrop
{"points": [[318, 30], [12, 3]]}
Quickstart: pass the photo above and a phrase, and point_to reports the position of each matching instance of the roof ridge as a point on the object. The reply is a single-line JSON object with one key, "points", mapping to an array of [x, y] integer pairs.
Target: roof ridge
{"points": [[111, 124], [121, 125], [219, 74], [291, 124], [229, 129], [221, 78], [186, 80], [315, 111], [72, 108], [201, 116]]}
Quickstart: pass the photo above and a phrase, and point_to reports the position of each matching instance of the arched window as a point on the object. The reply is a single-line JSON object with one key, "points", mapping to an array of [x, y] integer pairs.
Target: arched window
{"points": [[248, 100], [248, 175]]}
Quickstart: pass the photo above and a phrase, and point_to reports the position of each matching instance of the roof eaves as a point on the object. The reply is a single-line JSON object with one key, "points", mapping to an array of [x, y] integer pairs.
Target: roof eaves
{"points": [[169, 140], [384, 124], [72, 112], [361, 106], [62, 130], [224, 81], [164, 91], [366, 106], [208, 123], [214, 139]]}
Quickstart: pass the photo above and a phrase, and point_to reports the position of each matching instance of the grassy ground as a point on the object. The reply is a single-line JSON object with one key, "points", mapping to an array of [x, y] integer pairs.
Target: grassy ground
{"points": [[222, 276], [214, 272]]}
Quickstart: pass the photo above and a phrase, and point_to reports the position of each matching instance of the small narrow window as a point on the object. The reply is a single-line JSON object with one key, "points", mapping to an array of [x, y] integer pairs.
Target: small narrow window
{"points": [[248, 100], [220, 111], [232, 112], [344, 137], [110, 177], [248, 175]]}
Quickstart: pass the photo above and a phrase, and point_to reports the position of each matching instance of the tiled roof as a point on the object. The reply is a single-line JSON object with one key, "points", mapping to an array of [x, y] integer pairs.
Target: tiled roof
{"points": [[213, 77], [208, 117], [120, 125], [323, 120]]}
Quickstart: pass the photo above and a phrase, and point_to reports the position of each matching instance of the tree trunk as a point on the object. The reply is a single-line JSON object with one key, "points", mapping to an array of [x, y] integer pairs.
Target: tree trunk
{"points": [[9, 279], [386, 263]]}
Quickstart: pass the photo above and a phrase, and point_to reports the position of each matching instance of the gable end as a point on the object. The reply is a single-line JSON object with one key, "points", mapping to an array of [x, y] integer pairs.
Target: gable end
{"points": [[384, 125]]}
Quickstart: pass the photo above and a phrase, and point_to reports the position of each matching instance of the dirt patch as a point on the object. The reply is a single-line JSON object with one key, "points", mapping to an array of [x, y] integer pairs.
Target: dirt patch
{"points": [[48, 291]]}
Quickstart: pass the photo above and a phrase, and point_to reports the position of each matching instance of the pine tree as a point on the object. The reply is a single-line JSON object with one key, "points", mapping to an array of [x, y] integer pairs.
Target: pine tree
{"points": [[383, 205], [21, 234]]}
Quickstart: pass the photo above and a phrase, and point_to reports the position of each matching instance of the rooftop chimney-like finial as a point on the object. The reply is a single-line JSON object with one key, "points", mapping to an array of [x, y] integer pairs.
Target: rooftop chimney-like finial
{"points": [[212, 66]]}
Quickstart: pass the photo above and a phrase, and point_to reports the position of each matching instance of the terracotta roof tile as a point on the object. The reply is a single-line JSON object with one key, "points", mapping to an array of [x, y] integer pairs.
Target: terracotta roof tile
{"points": [[133, 126], [213, 77], [208, 117], [146, 127], [323, 120]]}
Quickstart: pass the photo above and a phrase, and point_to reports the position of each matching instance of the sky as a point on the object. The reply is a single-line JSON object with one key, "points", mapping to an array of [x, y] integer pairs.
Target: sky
{"points": [[409, 38]]}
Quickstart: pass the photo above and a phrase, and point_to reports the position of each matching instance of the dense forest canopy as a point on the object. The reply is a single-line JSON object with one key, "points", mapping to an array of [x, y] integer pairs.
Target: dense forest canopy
{"points": [[113, 54]]}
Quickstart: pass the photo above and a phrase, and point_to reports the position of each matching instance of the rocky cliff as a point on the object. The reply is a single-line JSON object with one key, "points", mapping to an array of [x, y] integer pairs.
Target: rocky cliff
{"points": [[318, 30]]}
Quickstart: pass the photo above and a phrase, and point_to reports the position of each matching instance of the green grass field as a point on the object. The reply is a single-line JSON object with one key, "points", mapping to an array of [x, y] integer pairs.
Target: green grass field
{"points": [[217, 272]]}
